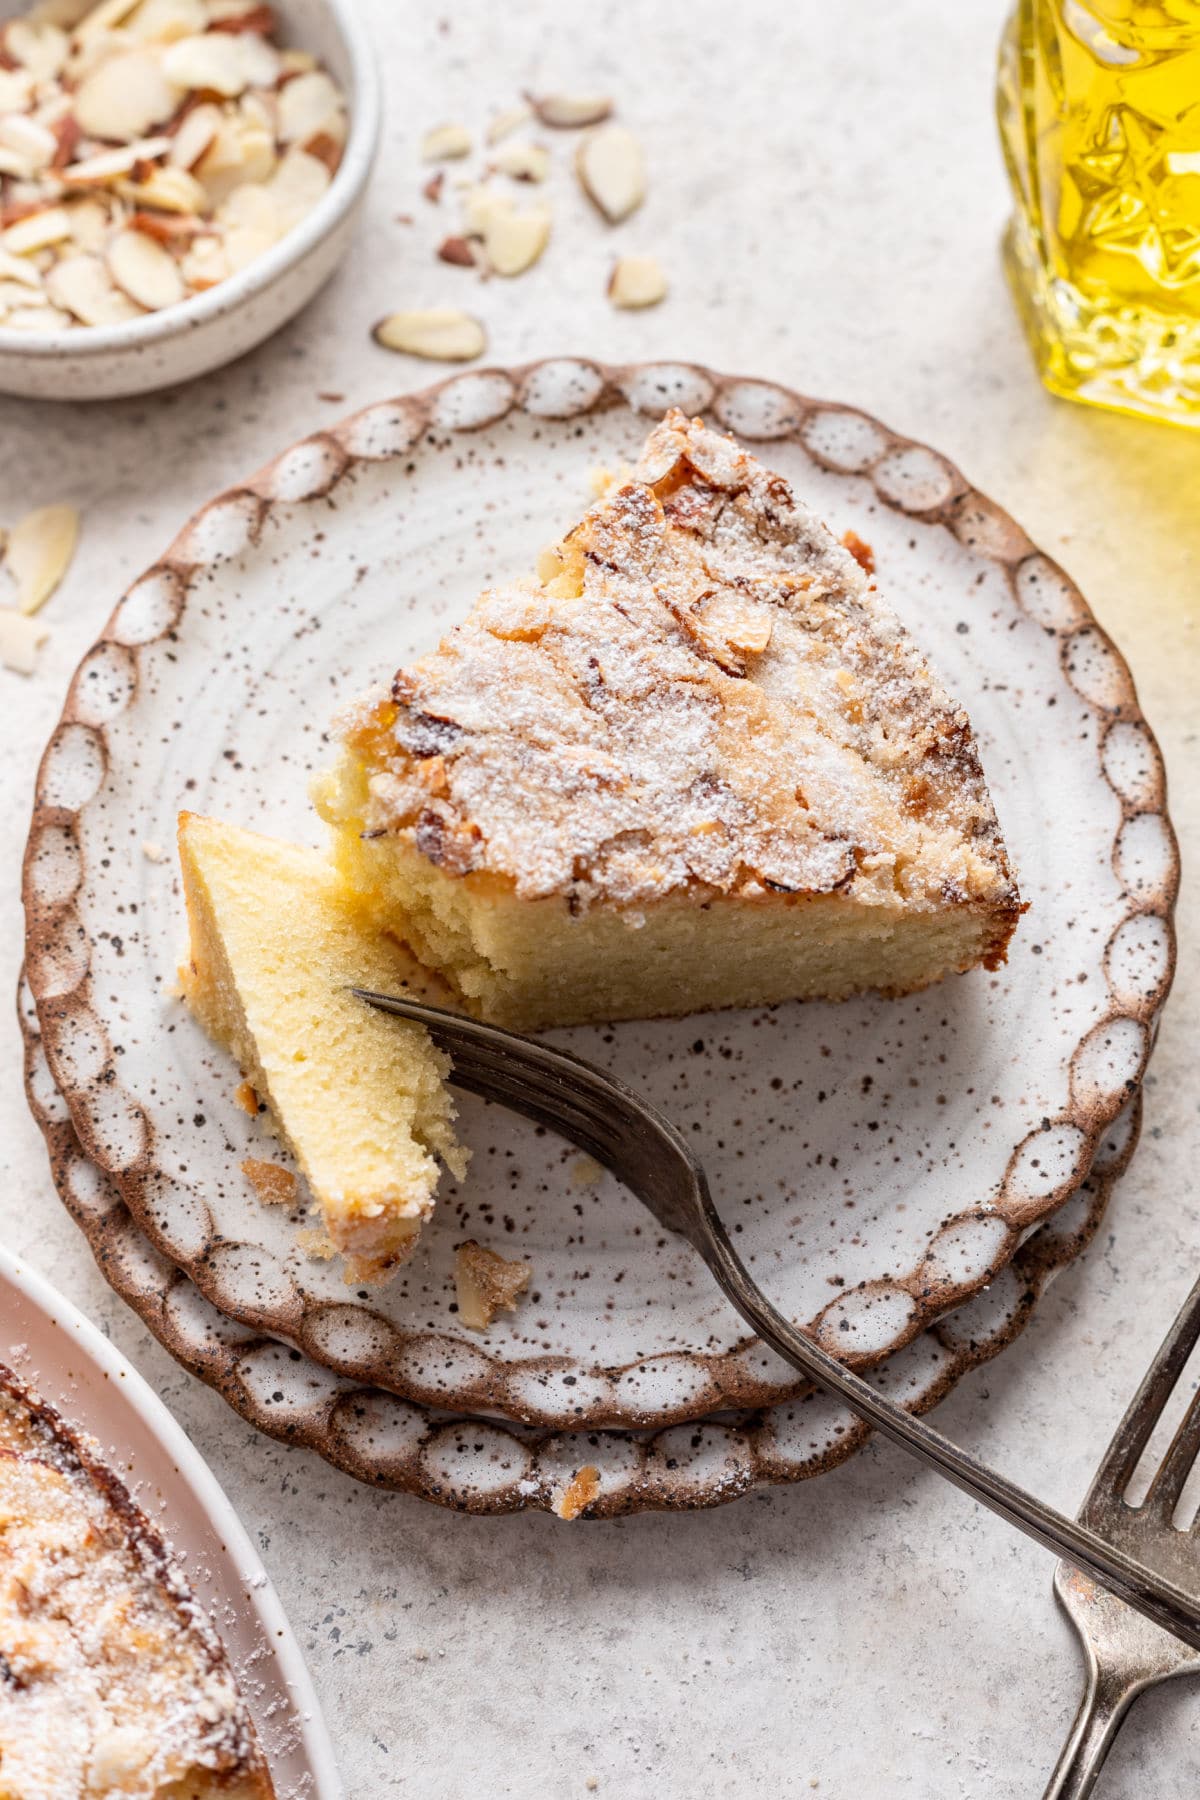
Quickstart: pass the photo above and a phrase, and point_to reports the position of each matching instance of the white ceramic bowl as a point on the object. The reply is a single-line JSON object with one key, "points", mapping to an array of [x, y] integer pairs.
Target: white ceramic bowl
{"points": [[102, 362]]}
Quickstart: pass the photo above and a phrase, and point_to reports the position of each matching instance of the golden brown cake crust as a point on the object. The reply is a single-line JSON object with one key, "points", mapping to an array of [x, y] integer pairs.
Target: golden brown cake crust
{"points": [[704, 692], [111, 1678]]}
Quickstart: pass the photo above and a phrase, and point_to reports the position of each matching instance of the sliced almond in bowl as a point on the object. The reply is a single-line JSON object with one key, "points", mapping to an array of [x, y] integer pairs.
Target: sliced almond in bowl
{"points": [[222, 62], [123, 97], [142, 268], [436, 333], [636, 281], [166, 21], [196, 132], [82, 285], [108, 166], [42, 47], [612, 171], [48, 226], [38, 552], [306, 105], [567, 112]]}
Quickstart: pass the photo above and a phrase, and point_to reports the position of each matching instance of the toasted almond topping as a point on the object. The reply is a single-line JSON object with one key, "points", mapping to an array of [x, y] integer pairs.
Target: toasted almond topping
{"points": [[194, 136], [165, 21], [486, 1283], [445, 143], [636, 281], [578, 1494], [506, 122], [306, 105], [513, 241], [274, 1185], [457, 250], [124, 96], [42, 48], [437, 333], [612, 170], [38, 552], [244, 1093], [222, 62], [108, 166], [567, 112], [523, 162], [49, 226], [83, 286], [145, 271], [20, 640]]}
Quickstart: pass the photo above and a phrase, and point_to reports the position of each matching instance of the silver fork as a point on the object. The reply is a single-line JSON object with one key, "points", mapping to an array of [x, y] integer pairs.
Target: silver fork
{"points": [[643, 1149], [1125, 1653]]}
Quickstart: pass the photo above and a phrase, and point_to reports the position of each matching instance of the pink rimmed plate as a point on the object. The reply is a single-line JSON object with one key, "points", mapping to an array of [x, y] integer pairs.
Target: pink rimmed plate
{"points": [[879, 1161]]}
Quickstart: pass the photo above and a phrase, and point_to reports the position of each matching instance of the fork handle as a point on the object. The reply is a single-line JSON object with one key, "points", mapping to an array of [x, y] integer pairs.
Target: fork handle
{"points": [[1107, 1698], [1158, 1600]]}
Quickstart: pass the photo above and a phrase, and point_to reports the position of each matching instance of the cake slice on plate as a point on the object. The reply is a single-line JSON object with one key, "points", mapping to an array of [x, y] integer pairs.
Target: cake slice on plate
{"points": [[277, 942], [697, 762]]}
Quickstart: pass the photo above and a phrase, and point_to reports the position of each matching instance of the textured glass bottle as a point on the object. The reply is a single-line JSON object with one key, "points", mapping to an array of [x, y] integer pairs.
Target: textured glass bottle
{"points": [[1099, 110]]}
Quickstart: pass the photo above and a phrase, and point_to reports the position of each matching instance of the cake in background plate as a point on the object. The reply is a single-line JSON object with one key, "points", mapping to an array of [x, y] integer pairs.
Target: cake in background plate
{"points": [[698, 762], [113, 1685]]}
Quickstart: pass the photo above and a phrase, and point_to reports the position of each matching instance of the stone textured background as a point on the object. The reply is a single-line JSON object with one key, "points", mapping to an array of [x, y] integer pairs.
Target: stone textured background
{"points": [[826, 196]]}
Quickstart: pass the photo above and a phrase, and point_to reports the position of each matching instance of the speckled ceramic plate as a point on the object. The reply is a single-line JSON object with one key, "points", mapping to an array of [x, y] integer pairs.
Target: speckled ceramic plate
{"points": [[879, 1161], [76, 1370], [479, 1465]]}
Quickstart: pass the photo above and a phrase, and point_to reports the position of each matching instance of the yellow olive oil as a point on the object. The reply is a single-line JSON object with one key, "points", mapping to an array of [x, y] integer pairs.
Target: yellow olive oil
{"points": [[1099, 111]]}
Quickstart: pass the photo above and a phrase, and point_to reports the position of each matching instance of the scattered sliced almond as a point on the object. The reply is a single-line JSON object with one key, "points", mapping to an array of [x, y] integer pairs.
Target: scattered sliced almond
{"points": [[222, 62], [38, 552], [457, 250], [108, 166], [445, 143], [486, 1283], [507, 122], [82, 285], [523, 162], [40, 47], [123, 97], [636, 281], [306, 105], [274, 1185], [612, 170], [153, 853], [49, 226], [20, 640], [567, 112], [143, 269], [578, 1494], [437, 333], [513, 242]]}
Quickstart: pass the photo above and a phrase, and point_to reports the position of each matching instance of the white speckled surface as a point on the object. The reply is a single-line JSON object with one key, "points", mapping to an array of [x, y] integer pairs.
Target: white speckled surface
{"points": [[828, 214]]}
